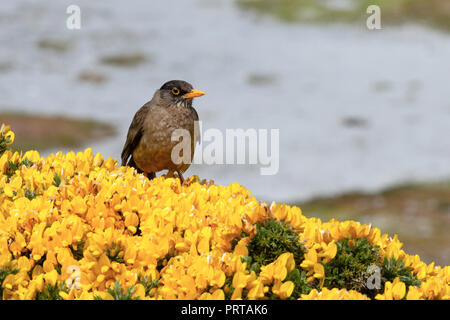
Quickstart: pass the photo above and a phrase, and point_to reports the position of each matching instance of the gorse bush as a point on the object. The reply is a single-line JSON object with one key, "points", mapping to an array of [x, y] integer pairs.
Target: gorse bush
{"points": [[272, 239], [76, 226], [348, 269]]}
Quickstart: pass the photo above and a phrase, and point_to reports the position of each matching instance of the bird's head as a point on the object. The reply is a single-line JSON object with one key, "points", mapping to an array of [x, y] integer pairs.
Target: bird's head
{"points": [[178, 92]]}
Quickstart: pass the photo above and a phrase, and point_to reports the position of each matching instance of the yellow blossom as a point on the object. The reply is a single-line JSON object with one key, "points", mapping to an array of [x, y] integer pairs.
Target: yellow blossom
{"points": [[393, 291], [82, 220]]}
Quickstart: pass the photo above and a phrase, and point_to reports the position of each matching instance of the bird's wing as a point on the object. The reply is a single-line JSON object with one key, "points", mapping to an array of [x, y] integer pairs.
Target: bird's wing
{"points": [[135, 133]]}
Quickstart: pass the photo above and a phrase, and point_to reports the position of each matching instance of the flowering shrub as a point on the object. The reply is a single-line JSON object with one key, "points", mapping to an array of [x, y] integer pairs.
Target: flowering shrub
{"points": [[75, 226]]}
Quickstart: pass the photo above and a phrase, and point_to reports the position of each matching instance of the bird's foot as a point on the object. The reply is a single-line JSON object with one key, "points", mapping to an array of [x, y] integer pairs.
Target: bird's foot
{"points": [[171, 174], [191, 180], [208, 183], [195, 178]]}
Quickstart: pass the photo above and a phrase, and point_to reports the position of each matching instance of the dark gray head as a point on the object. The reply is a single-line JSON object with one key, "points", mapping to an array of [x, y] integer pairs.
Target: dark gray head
{"points": [[178, 92]]}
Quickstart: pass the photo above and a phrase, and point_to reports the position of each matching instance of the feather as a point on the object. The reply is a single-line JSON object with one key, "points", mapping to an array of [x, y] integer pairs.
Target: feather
{"points": [[134, 136]]}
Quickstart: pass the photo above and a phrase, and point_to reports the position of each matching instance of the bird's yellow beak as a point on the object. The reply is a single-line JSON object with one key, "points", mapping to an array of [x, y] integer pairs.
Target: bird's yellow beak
{"points": [[194, 93]]}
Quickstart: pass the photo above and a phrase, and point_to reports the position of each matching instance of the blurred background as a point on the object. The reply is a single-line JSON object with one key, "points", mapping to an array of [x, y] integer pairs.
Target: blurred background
{"points": [[364, 115]]}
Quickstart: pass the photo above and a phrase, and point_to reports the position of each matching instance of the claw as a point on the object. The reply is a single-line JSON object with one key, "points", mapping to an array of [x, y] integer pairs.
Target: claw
{"points": [[207, 182]]}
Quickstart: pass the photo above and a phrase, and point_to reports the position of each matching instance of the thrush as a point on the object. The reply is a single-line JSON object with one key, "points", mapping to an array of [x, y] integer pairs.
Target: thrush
{"points": [[150, 142]]}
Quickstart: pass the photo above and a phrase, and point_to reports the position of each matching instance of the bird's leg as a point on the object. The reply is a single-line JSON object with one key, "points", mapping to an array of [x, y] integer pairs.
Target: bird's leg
{"points": [[181, 176], [150, 175], [170, 174]]}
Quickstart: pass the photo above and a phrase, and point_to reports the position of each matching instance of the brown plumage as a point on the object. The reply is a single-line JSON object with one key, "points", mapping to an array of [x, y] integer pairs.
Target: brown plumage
{"points": [[149, 144]]}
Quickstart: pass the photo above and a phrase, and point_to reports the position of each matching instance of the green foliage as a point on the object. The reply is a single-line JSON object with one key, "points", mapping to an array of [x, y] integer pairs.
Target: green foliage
{"points": [[392, 269], [228, 284], [58, 268], [235, 241], [30, 194], [4, 272], [148, 285], [114, 253], [3, 144], [349, 267], [119, 294], [13, 167], [56, 180], [162, 262], [272, 239], [78, 252], [299, 278], [251, 266], [52, 292], [27, 163]]}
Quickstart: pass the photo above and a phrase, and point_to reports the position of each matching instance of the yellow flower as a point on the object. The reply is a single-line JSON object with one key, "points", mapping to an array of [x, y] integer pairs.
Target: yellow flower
{"points": [[435, 288], [310, 259], [51, 277], [10, 138], [257, 291], [329, 251], [7, 134], [240, 280], [319, 273], [4, 129], [413, 294], [398, 291], [272, 270], [241, 249], [393, 291], [8, 190], [283, 290], [139, 291], [333, 294]]}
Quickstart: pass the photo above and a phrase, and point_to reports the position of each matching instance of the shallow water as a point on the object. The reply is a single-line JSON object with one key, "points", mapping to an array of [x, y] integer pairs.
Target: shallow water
{"points": [[356, 109]]}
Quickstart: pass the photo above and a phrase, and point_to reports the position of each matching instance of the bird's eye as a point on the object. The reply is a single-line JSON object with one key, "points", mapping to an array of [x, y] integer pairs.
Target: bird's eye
{"points": [[176, 91]]}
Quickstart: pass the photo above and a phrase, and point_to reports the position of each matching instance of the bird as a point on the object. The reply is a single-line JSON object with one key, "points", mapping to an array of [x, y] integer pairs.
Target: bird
{"points": [[149, 143]]}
